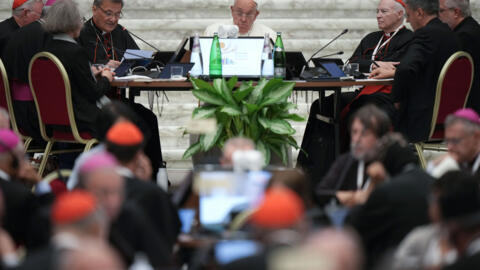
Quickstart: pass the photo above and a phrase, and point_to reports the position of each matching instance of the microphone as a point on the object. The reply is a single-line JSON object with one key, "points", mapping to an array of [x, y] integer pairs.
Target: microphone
{"points": [[332, 54], [305, 66], [326, 45], [141, 39]]}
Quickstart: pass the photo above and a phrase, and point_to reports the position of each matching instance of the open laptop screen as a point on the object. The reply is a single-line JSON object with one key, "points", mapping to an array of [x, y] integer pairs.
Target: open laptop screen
{"points": [[240, 56]]}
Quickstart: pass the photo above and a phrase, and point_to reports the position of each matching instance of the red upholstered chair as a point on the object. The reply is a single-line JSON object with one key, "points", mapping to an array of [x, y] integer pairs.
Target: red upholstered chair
{"points": [[6, 103], [453, 88], [51, 90]]}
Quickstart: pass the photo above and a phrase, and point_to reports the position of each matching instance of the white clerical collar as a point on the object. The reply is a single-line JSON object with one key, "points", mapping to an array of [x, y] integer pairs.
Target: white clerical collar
{"points": [[66, 241], [476, 164], [64, 37], [125, 172], [4, 176], [474, 247]]}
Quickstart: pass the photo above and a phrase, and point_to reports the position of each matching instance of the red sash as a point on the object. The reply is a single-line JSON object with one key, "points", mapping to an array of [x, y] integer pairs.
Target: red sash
{"points": [[367, 90]]}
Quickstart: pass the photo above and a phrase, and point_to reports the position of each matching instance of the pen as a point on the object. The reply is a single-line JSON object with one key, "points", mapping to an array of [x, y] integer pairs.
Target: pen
{"points": [[375, 63]]}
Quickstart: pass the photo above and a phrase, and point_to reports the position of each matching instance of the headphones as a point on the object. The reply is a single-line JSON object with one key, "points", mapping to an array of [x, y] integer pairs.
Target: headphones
{"points": [[15, 161]]}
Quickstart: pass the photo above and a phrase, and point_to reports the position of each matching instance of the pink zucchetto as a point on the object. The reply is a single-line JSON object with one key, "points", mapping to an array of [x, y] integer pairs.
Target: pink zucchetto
{"points": [[99, 161], [468, 114], [50, 2], [8, 140]]}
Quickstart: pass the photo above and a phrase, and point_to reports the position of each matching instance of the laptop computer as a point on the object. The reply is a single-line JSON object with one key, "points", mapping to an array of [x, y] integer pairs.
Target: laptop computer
{"points": [[241, 56]]}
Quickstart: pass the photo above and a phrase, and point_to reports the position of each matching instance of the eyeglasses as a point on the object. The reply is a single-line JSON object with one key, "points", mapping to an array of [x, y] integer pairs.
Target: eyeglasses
{"points": [[240, 14], [454, 141], [109, 13], [442, 10], [34, 12]]}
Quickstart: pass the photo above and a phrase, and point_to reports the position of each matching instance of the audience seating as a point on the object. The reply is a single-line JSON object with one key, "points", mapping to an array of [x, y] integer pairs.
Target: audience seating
{"points": [[7, 103], [453, 88], [51, 90]]}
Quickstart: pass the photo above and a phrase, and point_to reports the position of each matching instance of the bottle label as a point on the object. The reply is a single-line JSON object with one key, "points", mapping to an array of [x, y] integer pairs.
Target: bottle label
{"points": [[279, 72]]}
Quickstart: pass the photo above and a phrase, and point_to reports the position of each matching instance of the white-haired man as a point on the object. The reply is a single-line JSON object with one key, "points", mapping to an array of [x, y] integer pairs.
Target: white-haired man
{"points": [[385, 47], [23, 13], [244, 14]]}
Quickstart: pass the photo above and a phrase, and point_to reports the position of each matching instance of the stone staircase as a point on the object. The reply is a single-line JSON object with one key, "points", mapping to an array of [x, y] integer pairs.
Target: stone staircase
{"points": [[306, 26]]}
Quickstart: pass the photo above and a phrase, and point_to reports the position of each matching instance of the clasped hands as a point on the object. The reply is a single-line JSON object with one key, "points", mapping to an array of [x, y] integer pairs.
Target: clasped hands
{"points": [[105, 70], [384, 70]]}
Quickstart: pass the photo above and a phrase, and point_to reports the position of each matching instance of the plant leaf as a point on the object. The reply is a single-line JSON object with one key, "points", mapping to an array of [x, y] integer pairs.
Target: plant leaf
{"points": [[226, 93], [251, 108], [293, 117], [256, 95], [204, 112], [277, 126], [254, 128], [193, 149], [264, 150], [243, 91], [280, 139], [272, 85], [231, 110], [207, 141], [279, 94], [280, 150], [288, 106], [201, 84], [232, 82], [208, 97], [217, 85]]}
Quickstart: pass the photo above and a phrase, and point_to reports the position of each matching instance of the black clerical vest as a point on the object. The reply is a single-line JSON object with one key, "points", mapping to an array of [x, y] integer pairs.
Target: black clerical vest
{"points": [[7, 27], [102, 47], [393, 50]]}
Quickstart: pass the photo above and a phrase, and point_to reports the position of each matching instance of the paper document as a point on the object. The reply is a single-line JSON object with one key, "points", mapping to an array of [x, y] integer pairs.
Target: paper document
{"points": [[137, 54]]}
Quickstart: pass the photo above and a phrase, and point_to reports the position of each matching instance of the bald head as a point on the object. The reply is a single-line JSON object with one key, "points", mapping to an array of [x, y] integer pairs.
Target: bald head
{"points": [[339, 245], [390, 15], [108, 188]]}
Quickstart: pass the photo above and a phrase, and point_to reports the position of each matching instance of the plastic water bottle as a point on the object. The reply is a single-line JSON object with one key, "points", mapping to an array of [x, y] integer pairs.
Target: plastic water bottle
{"points": [[162, 179], [279, 58], [215, 69], [196, 57], [267, 58], [140, 262]]}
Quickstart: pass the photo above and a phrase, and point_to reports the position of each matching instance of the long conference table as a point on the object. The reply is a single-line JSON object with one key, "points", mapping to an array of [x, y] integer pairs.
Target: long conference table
{"points": [[137, 86]]}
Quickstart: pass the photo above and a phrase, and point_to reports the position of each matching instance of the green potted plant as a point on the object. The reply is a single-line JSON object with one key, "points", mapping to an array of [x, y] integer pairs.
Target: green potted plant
{"points": [[259, 112]]}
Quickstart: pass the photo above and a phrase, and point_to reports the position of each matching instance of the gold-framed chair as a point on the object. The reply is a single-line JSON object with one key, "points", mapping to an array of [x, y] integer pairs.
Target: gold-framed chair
{"points": [[7, 103], [51, 91], [453, 89]]}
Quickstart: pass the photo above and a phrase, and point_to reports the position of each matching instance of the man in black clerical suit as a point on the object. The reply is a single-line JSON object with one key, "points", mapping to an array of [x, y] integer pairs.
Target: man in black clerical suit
{"points": [[125, 141], [63, 21], [458, 15], [394, 207], [19, 50], [416, 77], [348, 172], [460, 209], [462, 136], [104, 39], [131, 231], [384, 47], [20, 203], [105, 42], [23, 13]]}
